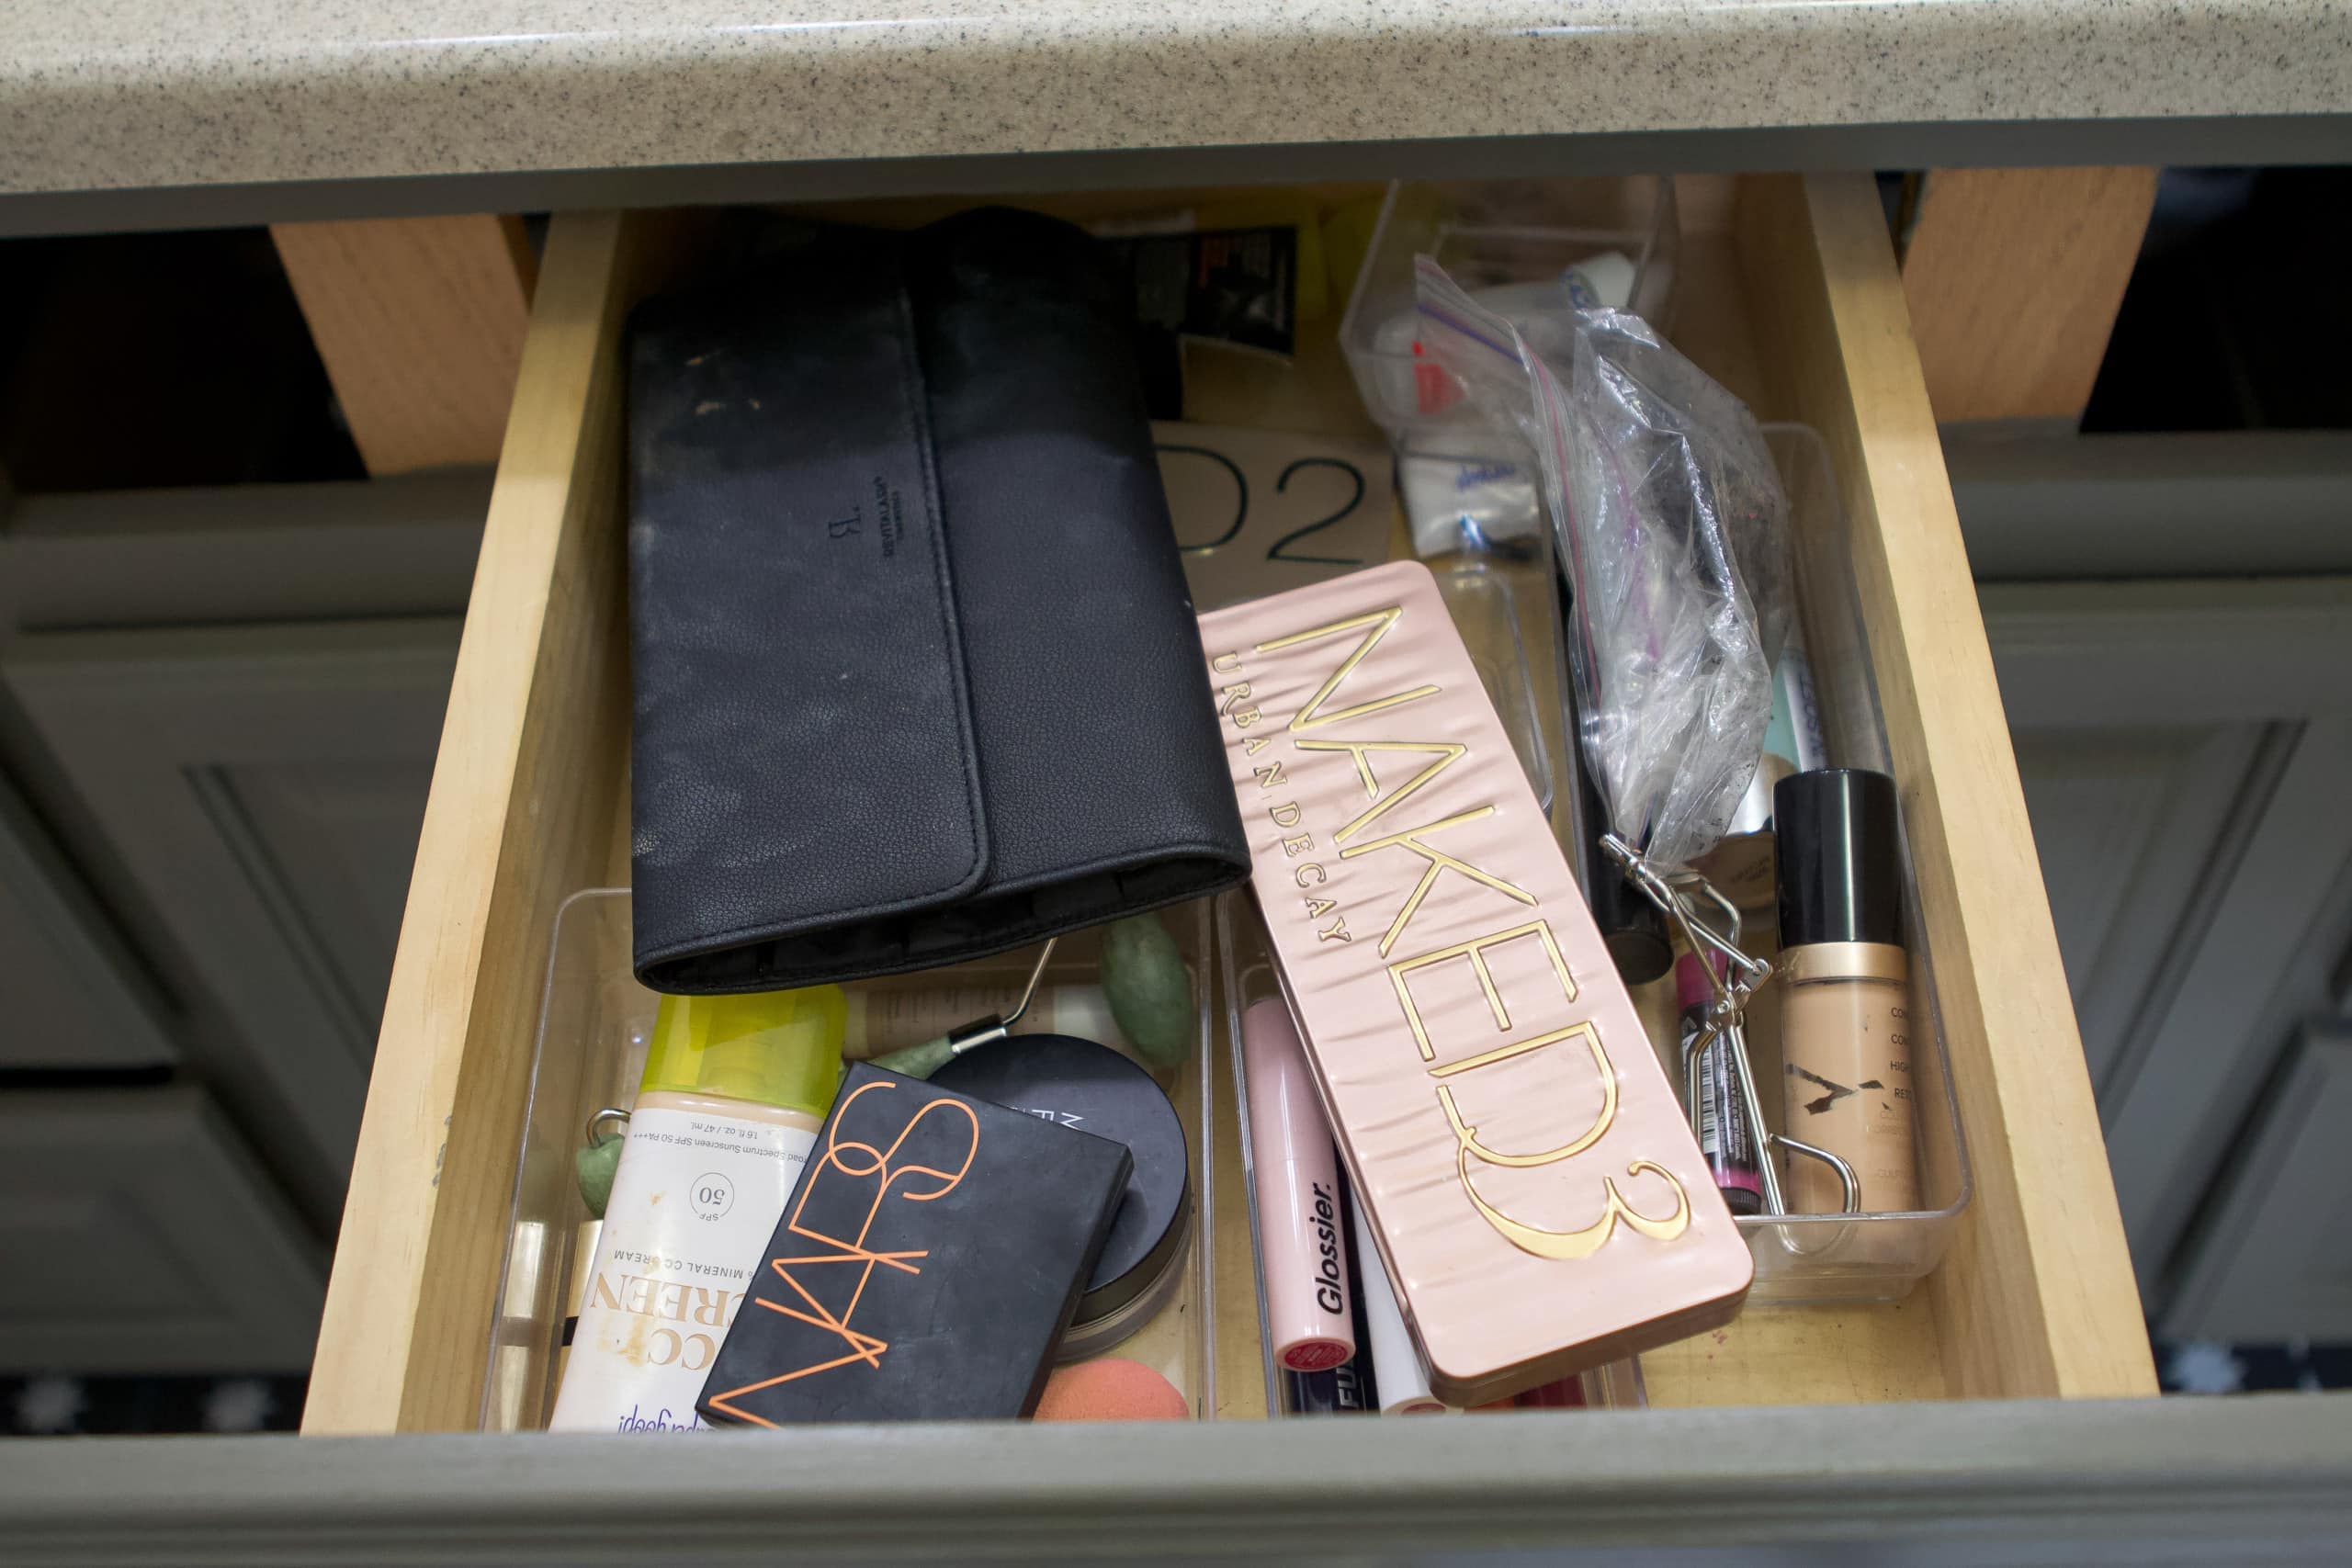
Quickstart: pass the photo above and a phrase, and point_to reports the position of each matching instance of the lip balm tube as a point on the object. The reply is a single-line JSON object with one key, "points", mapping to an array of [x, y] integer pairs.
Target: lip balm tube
{"points": [[1294, 1176]]}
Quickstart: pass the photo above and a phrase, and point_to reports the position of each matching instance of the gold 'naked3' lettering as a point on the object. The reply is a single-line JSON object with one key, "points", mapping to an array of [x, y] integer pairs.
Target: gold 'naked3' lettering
{"points": [[1376, 828], [1375, 624], [1565, 1244], [1535, 1239], [1467, 1136], [1438, 861], [1312, 716], [1447, 752]]}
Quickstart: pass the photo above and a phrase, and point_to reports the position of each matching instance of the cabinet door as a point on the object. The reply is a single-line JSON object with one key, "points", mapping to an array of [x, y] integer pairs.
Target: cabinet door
{"points": [[140, 1237], [263, 787], [75, 998], [2184, 748], [2268, 1262], [2126, 819]]}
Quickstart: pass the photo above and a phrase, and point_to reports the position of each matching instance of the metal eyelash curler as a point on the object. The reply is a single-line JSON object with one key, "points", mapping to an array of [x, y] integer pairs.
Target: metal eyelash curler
{"points": [[1677, 894]]}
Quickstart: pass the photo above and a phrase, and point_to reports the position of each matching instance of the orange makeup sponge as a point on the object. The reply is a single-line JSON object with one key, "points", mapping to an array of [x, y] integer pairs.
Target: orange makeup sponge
{"points": [[1111, 1388]]}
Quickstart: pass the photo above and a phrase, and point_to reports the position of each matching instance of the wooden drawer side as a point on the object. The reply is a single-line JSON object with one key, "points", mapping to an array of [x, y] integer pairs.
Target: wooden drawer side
{"points": [[2036, 1296], [524, 792]]}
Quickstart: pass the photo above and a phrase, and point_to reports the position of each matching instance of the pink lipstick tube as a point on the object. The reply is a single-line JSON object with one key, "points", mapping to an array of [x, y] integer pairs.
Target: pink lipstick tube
{"points": [[1301, 1238]]}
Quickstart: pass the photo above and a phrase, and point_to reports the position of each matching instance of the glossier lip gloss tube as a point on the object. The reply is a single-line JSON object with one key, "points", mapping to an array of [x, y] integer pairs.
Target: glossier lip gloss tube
{"points": [[1352, 1387], [1302, 1231]]}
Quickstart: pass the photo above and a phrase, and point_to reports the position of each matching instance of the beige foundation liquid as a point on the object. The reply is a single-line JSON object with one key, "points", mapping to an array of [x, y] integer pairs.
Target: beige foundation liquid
{"points": [[1845, 1034], [1846, 1052]]}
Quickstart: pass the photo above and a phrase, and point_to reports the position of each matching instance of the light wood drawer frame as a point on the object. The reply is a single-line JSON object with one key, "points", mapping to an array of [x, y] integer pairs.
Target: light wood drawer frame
{"points": [[2036, 1297]]}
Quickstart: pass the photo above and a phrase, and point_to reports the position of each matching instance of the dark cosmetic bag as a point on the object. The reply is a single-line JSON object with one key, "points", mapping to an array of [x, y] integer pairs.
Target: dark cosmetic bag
{"points": [[916, 674]]}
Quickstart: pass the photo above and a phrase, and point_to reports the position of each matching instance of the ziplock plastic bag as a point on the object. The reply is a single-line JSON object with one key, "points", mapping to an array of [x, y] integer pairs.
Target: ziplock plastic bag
{"points": [[1672, 526]]}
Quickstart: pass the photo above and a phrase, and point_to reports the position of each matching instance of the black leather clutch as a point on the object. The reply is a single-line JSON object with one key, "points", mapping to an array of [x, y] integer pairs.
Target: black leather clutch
{"points": [[916, 675]]}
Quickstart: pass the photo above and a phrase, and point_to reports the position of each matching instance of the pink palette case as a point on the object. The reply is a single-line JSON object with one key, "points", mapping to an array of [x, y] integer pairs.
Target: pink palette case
{"points": [[1536, 1195]]}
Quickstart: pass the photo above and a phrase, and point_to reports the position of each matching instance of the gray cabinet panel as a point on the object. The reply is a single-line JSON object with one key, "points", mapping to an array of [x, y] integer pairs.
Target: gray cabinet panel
{"points": [[2035, 504], [2274, 1260], [341, 836], [74, 999], [2126, 821], [1940, 1484], [244, 555], [139, 1237], [263, 787], [2228, 1010], [2186, 749]]}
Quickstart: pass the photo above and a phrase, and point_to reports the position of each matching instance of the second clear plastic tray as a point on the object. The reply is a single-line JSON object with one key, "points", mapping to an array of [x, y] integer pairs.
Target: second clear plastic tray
{"points": [[1799, 1258], [1817, 1257]]}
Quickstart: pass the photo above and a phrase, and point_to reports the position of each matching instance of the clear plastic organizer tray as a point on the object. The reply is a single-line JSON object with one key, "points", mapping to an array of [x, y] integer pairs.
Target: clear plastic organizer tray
{"points": [[1487, 234], [1868, 1257], [594, 1024], [1871, 1256], [1799, 1258]]}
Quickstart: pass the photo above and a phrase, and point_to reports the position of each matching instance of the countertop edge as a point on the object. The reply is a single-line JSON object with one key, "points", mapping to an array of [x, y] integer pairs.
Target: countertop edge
{"points": [[685, 98]]}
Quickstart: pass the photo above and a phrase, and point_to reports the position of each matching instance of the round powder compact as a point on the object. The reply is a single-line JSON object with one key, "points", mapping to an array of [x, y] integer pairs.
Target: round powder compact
{"points": [[1058, 1077]]}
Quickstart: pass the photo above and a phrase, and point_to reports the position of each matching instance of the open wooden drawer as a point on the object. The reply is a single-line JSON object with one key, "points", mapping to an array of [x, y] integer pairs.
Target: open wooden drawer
{"points": [[1790, 295]]}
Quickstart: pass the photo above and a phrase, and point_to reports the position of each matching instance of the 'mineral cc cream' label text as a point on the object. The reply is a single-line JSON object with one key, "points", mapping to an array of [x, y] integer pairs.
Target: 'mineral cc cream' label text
{"points": [[1412, 816]]}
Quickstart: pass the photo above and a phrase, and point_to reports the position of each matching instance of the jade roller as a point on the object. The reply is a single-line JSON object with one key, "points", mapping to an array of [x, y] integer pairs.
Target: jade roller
{"points": [[1143, 979], [593, 1162]]}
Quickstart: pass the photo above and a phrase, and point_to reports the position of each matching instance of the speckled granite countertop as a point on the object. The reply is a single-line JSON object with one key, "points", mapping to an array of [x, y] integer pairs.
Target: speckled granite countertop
{"points": [[122, 93]]}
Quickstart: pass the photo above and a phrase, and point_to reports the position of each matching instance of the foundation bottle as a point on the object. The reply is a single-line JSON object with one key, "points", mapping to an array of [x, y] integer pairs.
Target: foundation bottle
{"points": [[1846, 1035]]}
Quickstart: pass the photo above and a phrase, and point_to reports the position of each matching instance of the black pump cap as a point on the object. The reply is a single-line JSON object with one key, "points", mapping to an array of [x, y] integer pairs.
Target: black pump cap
{"points": [[1632, 928], [1840, 858]]}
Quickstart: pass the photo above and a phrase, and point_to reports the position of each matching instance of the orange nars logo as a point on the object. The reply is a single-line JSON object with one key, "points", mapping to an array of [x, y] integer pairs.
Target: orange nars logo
{"points": [[856, 1162]]}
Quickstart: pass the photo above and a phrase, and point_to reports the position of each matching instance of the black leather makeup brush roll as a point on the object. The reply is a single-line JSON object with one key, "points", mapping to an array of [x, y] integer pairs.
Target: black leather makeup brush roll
{"points": [[916, 675]]}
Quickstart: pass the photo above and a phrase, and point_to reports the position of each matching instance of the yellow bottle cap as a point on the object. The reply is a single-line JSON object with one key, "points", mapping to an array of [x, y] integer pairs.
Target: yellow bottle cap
{"points": [[776, 1047]]}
